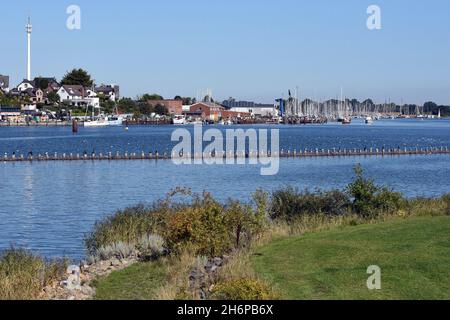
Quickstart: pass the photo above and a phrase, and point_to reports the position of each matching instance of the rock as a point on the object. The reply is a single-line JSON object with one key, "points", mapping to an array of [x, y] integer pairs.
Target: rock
{"points": [[73, 282], [73, 269], [115, 263]]}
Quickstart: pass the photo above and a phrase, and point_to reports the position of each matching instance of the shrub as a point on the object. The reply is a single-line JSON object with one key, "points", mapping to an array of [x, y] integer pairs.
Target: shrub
{"points": [[370, 200], [24, 275], [201, 225], [211, 228], [289, 203], [127, 226], [243, 289], [243, 222]]}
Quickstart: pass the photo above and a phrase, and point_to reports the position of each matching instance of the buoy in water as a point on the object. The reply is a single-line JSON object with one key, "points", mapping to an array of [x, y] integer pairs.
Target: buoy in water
{"points": [[126, 129]]}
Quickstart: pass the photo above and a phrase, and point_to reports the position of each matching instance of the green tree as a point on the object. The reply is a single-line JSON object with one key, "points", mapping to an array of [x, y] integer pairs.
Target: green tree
{"points": [[154, 96], [161, 110], [41, 83], [53, 98], [78, 77], [127, 105]]}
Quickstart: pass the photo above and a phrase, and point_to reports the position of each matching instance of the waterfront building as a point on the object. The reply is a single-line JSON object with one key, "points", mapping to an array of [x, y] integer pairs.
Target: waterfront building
{"points": [[174, 106], [255, 109], [211, 111], [78, 96]]}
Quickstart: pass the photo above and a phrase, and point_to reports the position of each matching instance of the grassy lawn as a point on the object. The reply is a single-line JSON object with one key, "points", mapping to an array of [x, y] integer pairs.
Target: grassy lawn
{"points": [[413, 254], [137, 282]]}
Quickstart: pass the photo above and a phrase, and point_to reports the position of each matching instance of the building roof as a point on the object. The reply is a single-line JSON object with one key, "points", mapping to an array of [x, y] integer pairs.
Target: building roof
{"points": [[209, 104], [74, 90]]}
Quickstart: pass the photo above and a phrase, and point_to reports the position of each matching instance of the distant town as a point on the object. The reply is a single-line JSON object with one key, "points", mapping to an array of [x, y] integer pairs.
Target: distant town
{"points": [[46, 100]]}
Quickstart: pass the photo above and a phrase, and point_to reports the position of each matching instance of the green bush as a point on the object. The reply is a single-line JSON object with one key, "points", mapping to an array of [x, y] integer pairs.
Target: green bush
{"points": [[201, 225], [212, 228], [23, 275], [370, 200], [243, 289], [289, 203]]}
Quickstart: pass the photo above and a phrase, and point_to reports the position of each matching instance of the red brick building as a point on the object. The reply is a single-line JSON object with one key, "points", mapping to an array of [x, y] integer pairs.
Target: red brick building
{"points": [[215, 112], [174, 107]]}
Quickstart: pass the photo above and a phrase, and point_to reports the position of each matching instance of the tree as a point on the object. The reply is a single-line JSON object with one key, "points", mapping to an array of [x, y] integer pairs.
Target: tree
{"points": [[41, 83], [53, 98], [161, 110], [430, 107], [78, 77], [127, 105], [154, 96], [186, 100]]}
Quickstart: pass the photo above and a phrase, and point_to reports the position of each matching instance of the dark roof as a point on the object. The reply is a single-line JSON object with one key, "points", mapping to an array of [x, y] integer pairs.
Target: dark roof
{"points": [[106, 89], [74, 90]]}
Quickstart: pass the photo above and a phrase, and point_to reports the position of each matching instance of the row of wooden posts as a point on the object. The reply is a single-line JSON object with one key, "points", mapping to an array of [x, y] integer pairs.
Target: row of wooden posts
{"points": [[306, 153]]}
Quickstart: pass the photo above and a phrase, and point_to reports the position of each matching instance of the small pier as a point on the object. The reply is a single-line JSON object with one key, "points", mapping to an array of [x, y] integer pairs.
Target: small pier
{"points": [[291, 153]]}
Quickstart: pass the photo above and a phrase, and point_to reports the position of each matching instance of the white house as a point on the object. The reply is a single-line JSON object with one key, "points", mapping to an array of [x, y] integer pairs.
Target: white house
{"points": [[25, 85], [78, 96]]}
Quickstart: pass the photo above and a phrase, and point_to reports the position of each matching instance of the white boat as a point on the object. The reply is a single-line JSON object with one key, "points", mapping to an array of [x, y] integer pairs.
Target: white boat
{"points": [[369, 120], [114, 120], [101, 122], [179, 120]]}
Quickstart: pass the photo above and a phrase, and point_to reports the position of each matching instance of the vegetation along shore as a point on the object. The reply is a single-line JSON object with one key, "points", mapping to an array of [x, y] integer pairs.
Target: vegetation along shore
{"points": [[287, 244]]}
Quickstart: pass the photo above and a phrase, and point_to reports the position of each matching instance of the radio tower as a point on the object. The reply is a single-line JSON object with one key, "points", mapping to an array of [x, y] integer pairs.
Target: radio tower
{"points": [[29, 29]]}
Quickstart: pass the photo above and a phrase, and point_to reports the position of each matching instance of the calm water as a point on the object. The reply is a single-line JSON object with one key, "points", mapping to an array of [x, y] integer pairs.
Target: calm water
{"points": [[48, 207], [388, 133]]}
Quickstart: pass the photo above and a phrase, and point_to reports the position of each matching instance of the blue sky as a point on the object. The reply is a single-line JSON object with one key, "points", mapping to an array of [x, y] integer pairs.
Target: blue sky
{"points": [[248, 49]]}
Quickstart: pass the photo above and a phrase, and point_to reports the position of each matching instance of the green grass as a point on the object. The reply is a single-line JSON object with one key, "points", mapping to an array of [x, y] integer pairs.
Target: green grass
{"points": [[137, 282], [413, 254]]}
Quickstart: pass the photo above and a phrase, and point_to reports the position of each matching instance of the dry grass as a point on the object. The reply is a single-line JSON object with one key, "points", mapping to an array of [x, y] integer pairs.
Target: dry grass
{"points": [[24, 275], [177, 284]]}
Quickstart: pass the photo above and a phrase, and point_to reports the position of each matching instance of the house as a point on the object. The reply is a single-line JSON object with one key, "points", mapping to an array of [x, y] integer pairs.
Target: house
{"points": [[174, 107], [78, 96], [50, 84], [35, 96], [4, 83], [111, 91], [209, 110], [25, 85]]}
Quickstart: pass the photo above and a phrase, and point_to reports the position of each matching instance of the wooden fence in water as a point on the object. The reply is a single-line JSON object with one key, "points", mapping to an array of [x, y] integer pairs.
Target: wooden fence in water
{"points": [[306, 153]]}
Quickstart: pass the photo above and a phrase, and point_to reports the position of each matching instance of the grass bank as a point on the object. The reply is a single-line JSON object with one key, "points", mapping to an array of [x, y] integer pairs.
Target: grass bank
{"points": [[413, 254], [138, 282]]}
